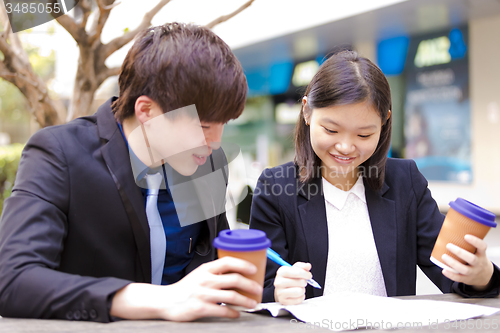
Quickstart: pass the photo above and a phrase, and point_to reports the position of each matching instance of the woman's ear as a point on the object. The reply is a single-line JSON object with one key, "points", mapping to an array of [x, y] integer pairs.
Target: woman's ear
{"points": [[145, 109], [304, 110], [389, 114]]}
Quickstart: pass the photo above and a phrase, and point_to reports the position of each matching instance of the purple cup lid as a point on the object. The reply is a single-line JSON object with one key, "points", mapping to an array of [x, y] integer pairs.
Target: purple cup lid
{"points": [[242, 240], [474, 212]]}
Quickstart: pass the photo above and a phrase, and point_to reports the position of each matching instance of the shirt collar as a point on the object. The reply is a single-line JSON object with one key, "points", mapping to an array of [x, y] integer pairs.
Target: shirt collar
{"points": [[138, 167], [338, 198]]}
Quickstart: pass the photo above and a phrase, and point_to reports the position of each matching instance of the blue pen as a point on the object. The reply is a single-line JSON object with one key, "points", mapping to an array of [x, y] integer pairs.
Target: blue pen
{"points": [[271, 254]]}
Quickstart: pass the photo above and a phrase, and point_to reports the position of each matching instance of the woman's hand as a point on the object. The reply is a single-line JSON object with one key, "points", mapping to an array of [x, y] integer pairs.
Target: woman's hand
{"points": [[290, 283], [479, 270], [195, 296]]}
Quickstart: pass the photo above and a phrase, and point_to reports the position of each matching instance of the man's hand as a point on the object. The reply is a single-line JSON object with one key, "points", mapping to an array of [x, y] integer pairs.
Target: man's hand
{"points": [[290, 283], [195, 296], [479, 270]]}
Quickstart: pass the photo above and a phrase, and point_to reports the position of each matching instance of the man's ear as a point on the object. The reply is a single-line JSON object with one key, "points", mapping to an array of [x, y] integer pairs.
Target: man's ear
{"points": [[145, 109]]}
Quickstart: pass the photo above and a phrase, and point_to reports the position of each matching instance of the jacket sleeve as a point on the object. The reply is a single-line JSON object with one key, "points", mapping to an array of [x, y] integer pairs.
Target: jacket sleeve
{"points": [[33, 228], [267, 216], [429, 221]]}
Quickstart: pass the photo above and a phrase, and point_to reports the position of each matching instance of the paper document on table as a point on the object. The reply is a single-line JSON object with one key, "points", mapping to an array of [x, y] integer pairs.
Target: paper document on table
{"points": [[349, 311]]}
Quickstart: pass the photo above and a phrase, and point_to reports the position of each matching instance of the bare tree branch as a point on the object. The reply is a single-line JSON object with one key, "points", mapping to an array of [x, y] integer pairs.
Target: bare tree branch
{"points": [[113, 71], [119, 42], [5, 20], [86, 7], [14, 48], [105, 7], [4, 72], [105, 73], [224, 18], [11, 77], [91, 72], [16, 69], [77, 32]]}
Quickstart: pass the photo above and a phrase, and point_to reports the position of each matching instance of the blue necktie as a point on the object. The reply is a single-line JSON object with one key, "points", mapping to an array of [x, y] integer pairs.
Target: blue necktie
{"points": [[156, 231]]}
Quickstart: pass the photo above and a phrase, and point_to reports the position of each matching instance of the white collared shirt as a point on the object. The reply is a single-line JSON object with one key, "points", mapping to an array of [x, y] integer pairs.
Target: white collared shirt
{"points": [[353, 263]]}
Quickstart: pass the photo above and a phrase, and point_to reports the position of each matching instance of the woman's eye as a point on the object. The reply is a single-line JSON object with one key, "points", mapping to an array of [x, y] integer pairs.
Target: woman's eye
{"points": [[364, 136], [329, 131]]}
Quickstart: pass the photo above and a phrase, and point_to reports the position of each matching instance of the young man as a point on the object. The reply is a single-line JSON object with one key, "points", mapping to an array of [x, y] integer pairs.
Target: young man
{"points": [[77, 238]]}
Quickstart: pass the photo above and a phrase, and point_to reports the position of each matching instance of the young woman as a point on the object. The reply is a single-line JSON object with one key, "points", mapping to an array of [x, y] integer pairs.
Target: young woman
{"points": [[346, 214]]}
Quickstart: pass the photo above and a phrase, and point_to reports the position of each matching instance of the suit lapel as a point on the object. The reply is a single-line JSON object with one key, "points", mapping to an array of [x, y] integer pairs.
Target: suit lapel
{"points": [[312, 211], [116, 156], [382, 213], [313, 219]]}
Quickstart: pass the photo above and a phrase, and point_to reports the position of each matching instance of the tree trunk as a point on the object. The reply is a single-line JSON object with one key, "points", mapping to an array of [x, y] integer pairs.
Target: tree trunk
{"points": [[91, 73], [83, 93], [19, 72], [43, 108]]}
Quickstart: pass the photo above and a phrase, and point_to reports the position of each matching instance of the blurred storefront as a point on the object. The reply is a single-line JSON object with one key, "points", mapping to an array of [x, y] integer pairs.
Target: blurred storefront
{"points": [[442, 60]]}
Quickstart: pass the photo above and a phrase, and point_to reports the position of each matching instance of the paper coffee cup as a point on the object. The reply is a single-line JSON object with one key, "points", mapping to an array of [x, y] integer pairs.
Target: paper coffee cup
{"points": [[247, 244], [463, 218]]}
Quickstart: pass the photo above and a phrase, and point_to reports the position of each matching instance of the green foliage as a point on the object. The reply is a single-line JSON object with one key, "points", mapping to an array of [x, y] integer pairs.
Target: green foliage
{"points": [[45, 67], [13, 105], [9, 161]]}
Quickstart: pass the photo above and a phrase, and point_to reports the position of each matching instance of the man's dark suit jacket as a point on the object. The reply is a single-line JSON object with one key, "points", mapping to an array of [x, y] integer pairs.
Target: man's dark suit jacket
{"points": [[74, 230], [404, 217]]}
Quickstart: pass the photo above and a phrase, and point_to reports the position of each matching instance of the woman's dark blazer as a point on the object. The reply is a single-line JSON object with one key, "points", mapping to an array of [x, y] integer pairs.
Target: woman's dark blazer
{"points": [[405, 221]]}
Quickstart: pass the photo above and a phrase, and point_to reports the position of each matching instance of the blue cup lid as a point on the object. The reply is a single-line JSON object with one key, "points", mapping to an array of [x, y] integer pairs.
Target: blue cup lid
{"points": [[474, 212], [242, 240]]}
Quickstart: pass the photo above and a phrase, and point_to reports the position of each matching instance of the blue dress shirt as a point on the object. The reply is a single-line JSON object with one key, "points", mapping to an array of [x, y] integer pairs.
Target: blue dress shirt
{"points": [[180, 240]]}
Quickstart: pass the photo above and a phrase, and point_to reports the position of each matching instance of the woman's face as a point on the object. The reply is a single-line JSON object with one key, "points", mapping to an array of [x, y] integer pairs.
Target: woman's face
{"points": [[344, 137]]}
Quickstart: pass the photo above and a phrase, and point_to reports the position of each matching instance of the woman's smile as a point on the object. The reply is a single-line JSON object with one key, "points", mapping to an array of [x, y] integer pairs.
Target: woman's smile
{"points": [[344, 137]]}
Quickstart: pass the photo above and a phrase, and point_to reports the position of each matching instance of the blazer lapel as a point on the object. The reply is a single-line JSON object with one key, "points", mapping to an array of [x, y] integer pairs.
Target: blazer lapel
{"points": [[382, 213], [312, 212], [116, 156]]}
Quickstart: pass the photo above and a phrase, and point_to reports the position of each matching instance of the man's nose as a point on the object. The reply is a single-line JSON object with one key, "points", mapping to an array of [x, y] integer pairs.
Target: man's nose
{"points": [[213, 136]]}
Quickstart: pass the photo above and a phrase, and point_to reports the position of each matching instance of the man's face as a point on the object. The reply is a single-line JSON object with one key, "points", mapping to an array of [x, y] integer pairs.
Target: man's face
{"points": [[192, 143], [181, 140]]}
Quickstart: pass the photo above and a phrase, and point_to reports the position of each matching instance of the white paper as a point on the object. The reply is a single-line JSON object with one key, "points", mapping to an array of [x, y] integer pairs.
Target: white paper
{"points": [[349, 311]]}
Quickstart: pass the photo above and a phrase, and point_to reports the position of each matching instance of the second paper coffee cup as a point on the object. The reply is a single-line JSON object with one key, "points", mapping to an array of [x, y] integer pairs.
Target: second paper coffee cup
{"points": [[463, 218], [247, 244]]}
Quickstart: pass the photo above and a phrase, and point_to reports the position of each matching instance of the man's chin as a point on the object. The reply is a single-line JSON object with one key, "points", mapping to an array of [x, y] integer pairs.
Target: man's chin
{"points": [[185, 171]]}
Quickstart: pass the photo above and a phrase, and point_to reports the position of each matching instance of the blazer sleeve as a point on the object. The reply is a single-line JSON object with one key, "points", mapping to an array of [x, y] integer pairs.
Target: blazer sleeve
{"points": [[33, 227], [428, 216], [267, 216]]}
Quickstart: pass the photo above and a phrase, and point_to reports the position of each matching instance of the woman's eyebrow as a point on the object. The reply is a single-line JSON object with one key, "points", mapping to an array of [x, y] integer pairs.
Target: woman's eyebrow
{"points": [[328, 120], [368, 127]]}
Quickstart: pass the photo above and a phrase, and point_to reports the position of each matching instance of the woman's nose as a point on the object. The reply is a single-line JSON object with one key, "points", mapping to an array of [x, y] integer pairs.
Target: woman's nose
{"points": [[344, 147]]}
